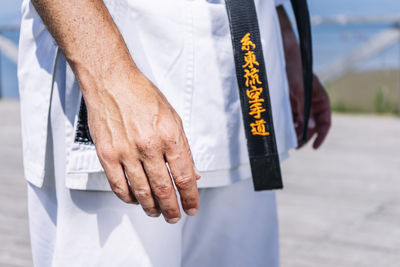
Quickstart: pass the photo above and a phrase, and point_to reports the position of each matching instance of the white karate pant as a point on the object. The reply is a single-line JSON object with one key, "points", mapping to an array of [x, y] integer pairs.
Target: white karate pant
{"points": [[235, 226]]}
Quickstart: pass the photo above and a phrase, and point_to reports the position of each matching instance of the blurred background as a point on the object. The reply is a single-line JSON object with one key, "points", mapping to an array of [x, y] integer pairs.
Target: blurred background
{"points": [[341, 205]]}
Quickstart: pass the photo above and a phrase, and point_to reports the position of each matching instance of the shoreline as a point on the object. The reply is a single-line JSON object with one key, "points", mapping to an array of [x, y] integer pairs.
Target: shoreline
{"points": [[371, 92]]}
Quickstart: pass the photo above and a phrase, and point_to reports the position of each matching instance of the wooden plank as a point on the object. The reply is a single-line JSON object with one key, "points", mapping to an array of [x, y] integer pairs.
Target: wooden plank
{"points": [[14, 233], [340, 205]]}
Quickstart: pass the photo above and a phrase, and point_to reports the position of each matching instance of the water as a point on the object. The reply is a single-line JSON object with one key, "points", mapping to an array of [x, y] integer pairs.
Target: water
{"points": [[9, 15], [334, 41], [8, 71], [330, 41]]}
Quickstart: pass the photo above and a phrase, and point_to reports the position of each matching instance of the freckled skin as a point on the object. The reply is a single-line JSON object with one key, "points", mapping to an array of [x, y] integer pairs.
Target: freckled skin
{"points": [[134, 128]]}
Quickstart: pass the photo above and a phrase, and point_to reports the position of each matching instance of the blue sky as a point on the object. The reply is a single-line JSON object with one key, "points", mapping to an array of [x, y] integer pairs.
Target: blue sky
{"points": [[10, 9], [354, 7]]}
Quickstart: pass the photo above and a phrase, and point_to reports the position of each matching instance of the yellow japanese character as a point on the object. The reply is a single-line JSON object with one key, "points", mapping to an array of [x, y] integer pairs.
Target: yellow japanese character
{"points": [[256, 109], [258, 128], [258, 100], [246, 42], [250, 59], [254, 93], [251, 77]]}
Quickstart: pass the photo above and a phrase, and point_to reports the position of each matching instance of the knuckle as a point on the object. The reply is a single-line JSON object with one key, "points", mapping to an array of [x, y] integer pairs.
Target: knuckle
{"points": [[107, 153], [142, 194], [163, 191], [190, 202], [184, 181], [121, 192], [171, 136], [146, 145], [117, 187], [176, 115], [178, 119], [171, 213], [125, 152]]}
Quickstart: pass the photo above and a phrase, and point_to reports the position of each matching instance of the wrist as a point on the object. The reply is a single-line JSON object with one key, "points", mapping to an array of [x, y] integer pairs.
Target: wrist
{"points": [[105, 74]]}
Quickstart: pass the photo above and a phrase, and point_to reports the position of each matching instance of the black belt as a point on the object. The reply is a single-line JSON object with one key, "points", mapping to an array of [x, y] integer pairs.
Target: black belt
{"points": [[253, 87], [302, 15]]}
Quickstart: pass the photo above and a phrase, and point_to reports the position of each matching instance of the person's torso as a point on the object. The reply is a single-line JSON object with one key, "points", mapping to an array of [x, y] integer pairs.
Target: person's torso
{"points": [[184, 47]]}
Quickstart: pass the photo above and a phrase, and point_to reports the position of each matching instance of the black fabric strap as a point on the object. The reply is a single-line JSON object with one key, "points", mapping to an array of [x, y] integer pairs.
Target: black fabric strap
{"points": [[254, 95], [82, 134], [302, 15]]}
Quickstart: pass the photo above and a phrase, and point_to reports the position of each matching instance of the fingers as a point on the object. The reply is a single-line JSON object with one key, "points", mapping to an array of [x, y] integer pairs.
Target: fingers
{"points": [[322, 132], [116, 177], [162, 187], [323, 124], [141, 188], [190, 157], [196, 172], [322, 115], [299, 130], [137, 171], [320, 119], [184, 173]]}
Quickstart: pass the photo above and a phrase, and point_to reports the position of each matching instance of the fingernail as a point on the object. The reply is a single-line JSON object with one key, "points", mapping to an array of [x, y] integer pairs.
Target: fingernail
{"points": [[191, 212], [154, 215], [173, 220]]}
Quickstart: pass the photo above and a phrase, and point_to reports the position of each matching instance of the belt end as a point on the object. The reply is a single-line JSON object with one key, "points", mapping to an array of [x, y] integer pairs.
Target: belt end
{"points": [[266, 173]]}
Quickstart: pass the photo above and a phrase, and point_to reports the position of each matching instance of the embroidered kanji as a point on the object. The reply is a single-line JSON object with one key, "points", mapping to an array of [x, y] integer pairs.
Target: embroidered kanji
{"points": [[254, 93], [251, 77], [258, 128], [247, 43], [250, 59], [256, 109]]}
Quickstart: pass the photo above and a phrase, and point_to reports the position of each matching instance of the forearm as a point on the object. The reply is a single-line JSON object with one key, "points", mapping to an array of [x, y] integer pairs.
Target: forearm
{"points": [[89, 39], [290, 44]]}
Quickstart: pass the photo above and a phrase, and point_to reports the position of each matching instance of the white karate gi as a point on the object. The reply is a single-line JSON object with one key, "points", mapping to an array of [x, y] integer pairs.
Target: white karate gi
{"points": [[184, 47]]}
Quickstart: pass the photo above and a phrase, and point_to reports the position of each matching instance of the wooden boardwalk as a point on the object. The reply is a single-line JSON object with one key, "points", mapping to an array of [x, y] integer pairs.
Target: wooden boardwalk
{"points": [[340, 206], [14, 234]]}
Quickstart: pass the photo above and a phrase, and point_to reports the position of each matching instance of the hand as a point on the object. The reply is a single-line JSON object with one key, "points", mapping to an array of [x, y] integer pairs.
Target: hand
{"points": [[136, 131], [320, 119], [134, 128]]}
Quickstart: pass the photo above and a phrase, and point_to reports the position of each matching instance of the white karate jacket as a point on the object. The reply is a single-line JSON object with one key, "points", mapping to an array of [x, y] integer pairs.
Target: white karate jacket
{"points": [[184, 47]]}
